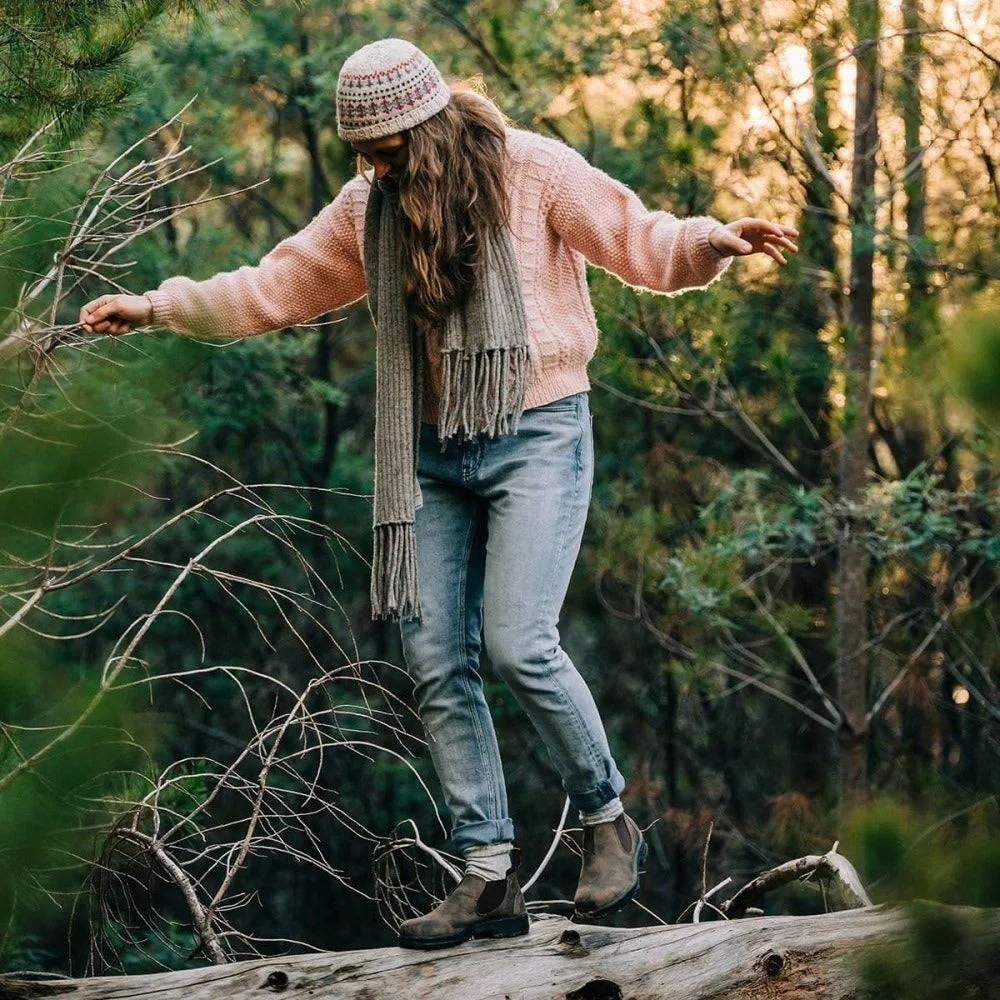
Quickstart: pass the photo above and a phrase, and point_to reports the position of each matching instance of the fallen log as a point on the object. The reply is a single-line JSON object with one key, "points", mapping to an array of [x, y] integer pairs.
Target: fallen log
{"points": [[764, 957]]}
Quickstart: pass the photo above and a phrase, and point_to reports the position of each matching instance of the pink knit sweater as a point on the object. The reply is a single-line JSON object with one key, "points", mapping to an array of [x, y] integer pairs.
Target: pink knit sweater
{"points": [[563, 212]]}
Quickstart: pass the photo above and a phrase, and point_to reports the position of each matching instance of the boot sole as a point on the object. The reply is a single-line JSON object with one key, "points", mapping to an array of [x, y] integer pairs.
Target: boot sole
{"points": [[618, 903], [499, 927]]}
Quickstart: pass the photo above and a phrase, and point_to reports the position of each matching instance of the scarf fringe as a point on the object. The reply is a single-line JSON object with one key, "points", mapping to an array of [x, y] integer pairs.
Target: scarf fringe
{"points": [[475, 395], [394, 589]]}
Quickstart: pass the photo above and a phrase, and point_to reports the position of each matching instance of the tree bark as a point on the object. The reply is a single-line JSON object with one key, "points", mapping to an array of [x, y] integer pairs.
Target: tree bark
{"points": [[919, 320], [852, 656], [788, 956], [814, 290]]}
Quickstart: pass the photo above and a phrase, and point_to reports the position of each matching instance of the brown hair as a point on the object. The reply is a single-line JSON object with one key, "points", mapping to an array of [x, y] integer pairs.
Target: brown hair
{"points": [[452, 195]]}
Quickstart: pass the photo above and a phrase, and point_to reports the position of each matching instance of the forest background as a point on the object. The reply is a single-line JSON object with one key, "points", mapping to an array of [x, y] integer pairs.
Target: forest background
{"points": [[786, 601]]}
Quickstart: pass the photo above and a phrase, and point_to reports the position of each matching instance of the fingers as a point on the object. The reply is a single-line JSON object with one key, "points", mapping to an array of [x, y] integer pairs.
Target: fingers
{"points": [[106, 311], [91, 307], [101, 316], [774, 228], [112, 327], [776, 234], [726, 239], [766, 237], [775, 231], [783, 241], [92, 325], [773, 251]]}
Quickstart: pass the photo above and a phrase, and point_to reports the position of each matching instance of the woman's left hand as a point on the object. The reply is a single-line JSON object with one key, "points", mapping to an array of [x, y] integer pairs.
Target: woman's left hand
{"points": [[746, 236]]}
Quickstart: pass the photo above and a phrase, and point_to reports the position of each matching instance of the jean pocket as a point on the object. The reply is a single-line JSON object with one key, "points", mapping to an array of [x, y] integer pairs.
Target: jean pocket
{"points": [[566, 403]]}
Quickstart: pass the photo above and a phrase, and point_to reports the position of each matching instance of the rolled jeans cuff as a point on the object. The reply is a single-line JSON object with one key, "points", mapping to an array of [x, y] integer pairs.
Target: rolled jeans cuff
{"points": [[587, 800], [486, 831]]}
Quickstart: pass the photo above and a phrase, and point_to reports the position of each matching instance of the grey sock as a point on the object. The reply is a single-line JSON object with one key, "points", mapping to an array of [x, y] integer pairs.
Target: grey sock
{"points": [[609, 811], [489, 861]]}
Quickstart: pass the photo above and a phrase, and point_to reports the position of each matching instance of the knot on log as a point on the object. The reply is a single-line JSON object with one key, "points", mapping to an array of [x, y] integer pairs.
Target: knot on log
{"points": [[597, 989], [773, 963], [572, 945], [276, 981]]}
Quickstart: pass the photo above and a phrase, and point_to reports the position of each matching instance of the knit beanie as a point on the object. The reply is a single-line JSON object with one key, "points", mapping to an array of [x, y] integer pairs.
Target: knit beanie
{"points": [[386, 87]]}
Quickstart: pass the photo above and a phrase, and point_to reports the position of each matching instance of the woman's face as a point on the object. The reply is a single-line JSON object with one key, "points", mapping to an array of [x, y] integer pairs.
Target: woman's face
{"points": [[387, 154]]}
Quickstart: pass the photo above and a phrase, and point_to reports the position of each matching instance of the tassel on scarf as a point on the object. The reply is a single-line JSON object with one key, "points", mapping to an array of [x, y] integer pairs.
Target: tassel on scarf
{"points": [[394, 572], [472, 382]]}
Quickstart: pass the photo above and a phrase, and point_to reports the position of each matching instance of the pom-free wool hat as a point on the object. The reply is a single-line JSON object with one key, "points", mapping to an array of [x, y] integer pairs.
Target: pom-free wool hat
{"points": [[386, 87]]}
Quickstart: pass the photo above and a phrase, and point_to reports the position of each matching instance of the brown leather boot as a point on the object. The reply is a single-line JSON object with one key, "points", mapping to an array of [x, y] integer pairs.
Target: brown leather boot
{"points": [[609, 875], [475, 908]]}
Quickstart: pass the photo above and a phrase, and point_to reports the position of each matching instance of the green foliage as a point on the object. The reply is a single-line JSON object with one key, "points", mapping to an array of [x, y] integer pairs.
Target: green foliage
{"points": [[907, 853], [756, 516], [942, 957], [699, 583], [65, 60], [70, 459], [502, 47], [975, 360], [921, 861]]}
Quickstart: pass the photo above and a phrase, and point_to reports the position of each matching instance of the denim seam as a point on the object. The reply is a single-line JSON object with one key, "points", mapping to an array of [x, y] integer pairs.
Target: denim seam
{"points": [[605, 789], [474, 447], [464, 658], [593, 750], [577, 453]]}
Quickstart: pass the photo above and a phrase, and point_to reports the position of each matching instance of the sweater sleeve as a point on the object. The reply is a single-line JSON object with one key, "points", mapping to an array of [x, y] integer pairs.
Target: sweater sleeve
{"points": [[314, 271], [605, 221]]}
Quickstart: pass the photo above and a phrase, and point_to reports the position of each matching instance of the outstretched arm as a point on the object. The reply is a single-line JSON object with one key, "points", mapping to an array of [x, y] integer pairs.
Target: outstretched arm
{"points": [[316, 270], [605, 221]]}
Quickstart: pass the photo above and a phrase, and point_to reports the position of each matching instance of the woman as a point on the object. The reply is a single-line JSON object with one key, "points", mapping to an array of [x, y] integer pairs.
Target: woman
{"points": [[470, 238]]}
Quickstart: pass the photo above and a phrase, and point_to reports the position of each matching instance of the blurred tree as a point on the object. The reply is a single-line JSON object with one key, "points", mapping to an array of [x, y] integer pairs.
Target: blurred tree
{"points": [[67, 61], [852, 579]]}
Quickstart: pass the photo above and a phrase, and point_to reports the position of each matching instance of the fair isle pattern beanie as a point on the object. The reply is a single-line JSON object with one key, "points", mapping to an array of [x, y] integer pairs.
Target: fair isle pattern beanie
{"points": [[386, 87]]}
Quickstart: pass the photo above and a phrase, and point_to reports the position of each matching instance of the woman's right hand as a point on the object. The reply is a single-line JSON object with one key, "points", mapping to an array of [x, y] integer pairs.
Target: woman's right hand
{"points": [[116, 314]]}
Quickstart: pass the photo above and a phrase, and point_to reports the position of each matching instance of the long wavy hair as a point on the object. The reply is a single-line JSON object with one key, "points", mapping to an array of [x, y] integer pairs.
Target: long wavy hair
{"points": [[452, 195]]}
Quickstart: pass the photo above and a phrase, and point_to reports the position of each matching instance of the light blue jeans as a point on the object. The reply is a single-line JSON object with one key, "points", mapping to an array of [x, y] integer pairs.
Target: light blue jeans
{"points": [[497, 538]]}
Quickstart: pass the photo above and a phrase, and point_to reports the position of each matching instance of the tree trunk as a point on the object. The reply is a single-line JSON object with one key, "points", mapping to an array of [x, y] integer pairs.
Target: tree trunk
{"points": [[814, 289], [791, 957], [852, 656], [920, 317]]}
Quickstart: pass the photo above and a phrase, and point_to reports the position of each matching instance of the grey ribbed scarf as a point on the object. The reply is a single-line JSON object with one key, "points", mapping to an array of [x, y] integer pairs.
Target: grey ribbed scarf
{"points": [[481, 342]]}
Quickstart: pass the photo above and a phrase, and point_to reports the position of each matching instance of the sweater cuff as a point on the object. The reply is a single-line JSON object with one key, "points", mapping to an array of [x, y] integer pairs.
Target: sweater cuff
{"points": [[705, 259], [162, 309]]}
